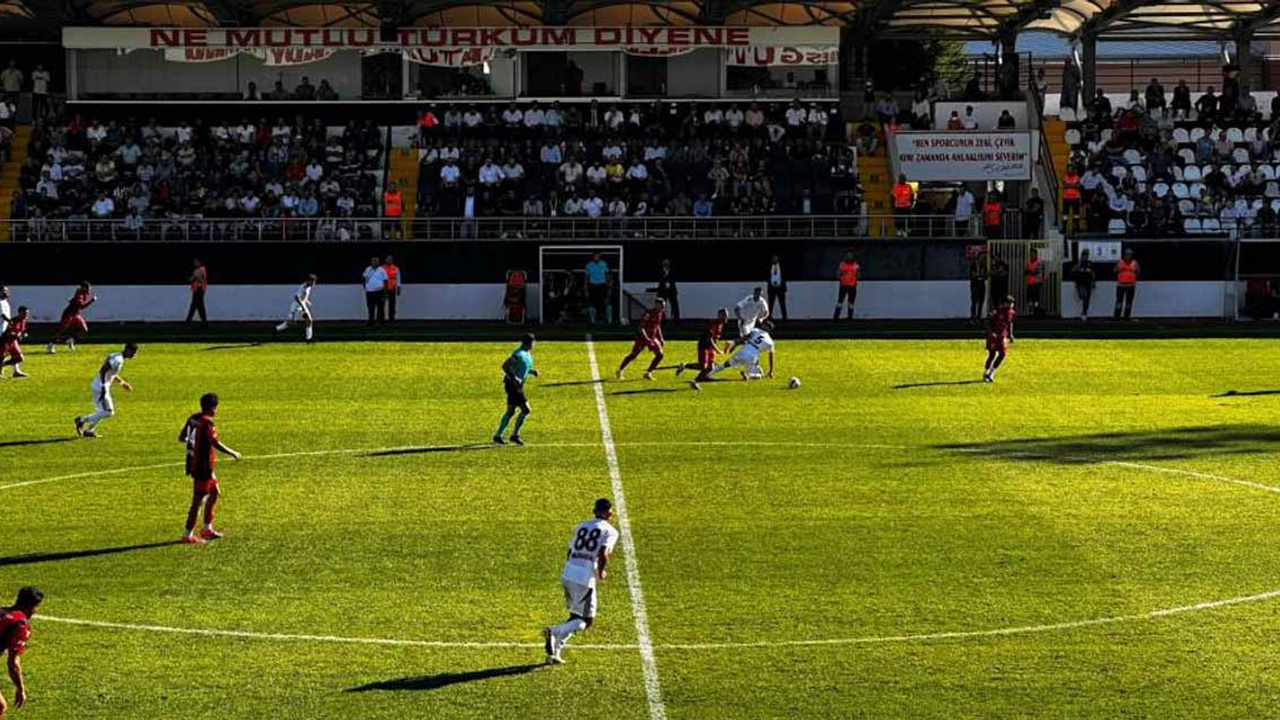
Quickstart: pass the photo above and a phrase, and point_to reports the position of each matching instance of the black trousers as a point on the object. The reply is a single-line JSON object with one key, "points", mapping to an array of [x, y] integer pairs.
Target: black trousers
{"points": [[1124, 300], [846, 291], [673, 303], [778, 295], [391, 305], [373, 303], [197, 306], [1084, 292], [977, 296]]}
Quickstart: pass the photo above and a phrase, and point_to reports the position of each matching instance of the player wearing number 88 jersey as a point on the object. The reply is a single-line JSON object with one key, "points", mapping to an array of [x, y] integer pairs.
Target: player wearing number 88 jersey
{"points": [[589, 550]]}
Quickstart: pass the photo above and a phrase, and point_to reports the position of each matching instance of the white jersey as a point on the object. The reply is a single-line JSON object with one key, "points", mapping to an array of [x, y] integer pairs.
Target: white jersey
{"points": [[110, 370], [757, 343], [589, 540], [301, 298], [4, 313], [752, 310]]}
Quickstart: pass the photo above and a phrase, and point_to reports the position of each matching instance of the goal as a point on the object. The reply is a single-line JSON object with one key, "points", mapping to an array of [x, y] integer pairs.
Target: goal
{"points": [[563, 291]]}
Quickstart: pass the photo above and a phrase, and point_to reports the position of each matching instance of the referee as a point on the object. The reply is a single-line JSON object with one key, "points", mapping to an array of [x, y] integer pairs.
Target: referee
{"points": [[515, 371]]}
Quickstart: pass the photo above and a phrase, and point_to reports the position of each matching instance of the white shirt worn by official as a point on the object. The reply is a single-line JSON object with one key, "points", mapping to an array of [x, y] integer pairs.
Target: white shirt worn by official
{"points": [[750, 310], [374, 278], [589, 540]]}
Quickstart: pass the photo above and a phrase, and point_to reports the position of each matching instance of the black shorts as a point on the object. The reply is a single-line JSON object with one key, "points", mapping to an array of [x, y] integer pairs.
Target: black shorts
{"points": [[515, 392]]}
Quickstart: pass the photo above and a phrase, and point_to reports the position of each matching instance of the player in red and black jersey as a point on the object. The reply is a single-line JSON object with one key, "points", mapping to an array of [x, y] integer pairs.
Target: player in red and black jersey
{"points": [[999, 337], [203, 446], [73, 323], [649, 337], [708, 349], [10, 339], [15, 631]]}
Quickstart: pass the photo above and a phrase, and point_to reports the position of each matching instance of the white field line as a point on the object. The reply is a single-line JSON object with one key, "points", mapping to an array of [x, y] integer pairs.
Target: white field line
{"points": [[761, 645], [652, 690]]}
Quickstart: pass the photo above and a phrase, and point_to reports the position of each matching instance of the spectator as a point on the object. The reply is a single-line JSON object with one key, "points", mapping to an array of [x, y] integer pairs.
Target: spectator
{"points": [[1207, 106], [278, 92], [954, 122], [921, 111], [1033, 215], [305, 90], [40, 78], [777, 287], [1084, 278], [199, 282], [977, 286], [326, 92], [1181, 105], [1155, 95], [667, 289], [702, 207], [1070, 95], [1005, 121], [1127, 271], [964, 211], [1101, 106], [375, 286], [970, 120], [11, 78]]}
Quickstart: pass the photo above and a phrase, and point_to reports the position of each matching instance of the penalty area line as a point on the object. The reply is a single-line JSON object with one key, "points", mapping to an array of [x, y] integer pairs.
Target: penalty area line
{"points": [[652, 689]]}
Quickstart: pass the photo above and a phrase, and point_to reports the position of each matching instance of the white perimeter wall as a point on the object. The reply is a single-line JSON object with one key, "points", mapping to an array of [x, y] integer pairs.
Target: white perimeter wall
{"points": [[146, 71], [806, 300]]}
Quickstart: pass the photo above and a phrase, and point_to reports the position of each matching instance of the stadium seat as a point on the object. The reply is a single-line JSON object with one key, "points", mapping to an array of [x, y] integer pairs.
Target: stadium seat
{"points": [[1272, 190], [1211, 226], [1186, 207], [1117, 227], [1250, 134], [1240, 155], [1160, 189], [1119, 172], [1067, 114], [1187, 155], [1268, 172], [1192, 174], [1180, 190], [1181, 136], [1191, 226], [1197, 133], [1139, 173], [1072, 137], [1235, 135], [1132, 157]]}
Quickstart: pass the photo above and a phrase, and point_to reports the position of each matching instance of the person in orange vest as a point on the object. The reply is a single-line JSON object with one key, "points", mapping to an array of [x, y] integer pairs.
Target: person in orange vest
{"points": [[199, 286], [392, 286], [1034, 272], [515, 297], [392, 208], [848, 273], [427, 121], [904, 198], [1071, 201], [992, 215], [1126, 283]]}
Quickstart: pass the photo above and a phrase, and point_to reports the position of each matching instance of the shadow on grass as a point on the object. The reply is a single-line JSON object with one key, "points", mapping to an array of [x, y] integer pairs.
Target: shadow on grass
{"points": [[1170, 444], [43, 441], [432, 449], [941, 383], [35, 558], [237, 346], [1246, 393], [647, 391], [443, 680], [572, 383]]}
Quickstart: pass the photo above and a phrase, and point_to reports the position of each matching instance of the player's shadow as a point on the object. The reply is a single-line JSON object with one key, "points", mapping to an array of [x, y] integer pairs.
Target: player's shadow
{"points": [[1168, 444], [940, 383], [571, 383], [431, 449], [237, 346], [36, 558], [647, 391], [444, 680], [42, 441], [1246, 393]]}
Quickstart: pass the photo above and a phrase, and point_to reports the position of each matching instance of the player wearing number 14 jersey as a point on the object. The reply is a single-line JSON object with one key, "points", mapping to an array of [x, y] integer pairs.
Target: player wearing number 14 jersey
{"points": [[589, 550], [203, 446]]}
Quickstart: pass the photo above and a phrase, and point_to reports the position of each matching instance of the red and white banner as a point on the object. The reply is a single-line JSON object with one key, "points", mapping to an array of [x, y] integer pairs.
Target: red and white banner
{"points": [[788, 55], [644, 39], [271, 57], [469, 57]]}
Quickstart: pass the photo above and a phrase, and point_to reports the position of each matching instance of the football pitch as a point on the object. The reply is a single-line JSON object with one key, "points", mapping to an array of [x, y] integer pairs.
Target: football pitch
{"points": [[1091, 536]]}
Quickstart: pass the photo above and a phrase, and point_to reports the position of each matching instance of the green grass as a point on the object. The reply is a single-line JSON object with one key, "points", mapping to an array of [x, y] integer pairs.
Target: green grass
{"points": [[867, 504]]}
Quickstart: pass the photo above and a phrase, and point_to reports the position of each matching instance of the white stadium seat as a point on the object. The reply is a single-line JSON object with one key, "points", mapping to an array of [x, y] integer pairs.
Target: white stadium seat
{"points": [[1268, 172], [1132, 157], [1273, 190], [1160, 189], [1211, 225], [1072, 136], [1250, 134], [1119, 172], [1240, 155], [1235, 135], [1139, 173], [1191, 226], [1188, 156], [1180, 136], [1067, 114], [1192, 174], [1186, 207], [1117, 227], [1180, 190], [1196, 133]]}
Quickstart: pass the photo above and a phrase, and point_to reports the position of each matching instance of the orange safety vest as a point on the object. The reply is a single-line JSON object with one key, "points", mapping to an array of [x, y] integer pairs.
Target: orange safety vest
{"points": [[991, 213], [1033, 272], [1071, 187], [199, 279], [393, 276], [391, 202], [902, 196], [849, 273], [516, 279], [427, 119], [1127, 272]]}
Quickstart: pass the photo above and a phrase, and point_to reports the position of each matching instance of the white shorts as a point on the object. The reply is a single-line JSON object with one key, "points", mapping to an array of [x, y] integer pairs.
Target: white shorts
{"points": [[579, 599], [102, 401], [745, 327], [296, 313], [750, 364]]}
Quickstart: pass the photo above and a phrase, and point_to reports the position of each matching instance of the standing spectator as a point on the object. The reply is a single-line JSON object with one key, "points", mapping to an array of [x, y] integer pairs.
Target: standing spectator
{"points": [[375, 288], [998, 281], [992, 215], [392, 209], [1033, 216], [326, 92], [199, 281], [667, 289], [1084, 278], [305, 90], [977, 286], [1181, 104], [1207, 105], [1070, 201], [39, 90], [1034, 274], [964, 211], [1070, 97], [393, 286], [597, 289], [904, 199], [11, 79], [1041, 86], [777, 287], [1155, 96], [1126, 284], [848, 274]]}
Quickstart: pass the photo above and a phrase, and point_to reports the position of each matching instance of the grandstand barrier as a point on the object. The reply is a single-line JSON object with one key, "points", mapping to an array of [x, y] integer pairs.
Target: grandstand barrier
{"points": [[903, 278], [189, 229]]}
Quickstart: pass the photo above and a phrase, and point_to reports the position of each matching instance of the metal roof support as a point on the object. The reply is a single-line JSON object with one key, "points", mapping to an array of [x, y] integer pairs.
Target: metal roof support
{"points": [[1010, 72], [1088, 69], [1244, 54]]}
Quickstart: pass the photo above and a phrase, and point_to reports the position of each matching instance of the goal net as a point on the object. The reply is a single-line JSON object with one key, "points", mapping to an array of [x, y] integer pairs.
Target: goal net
{"points": [[566, 289]]}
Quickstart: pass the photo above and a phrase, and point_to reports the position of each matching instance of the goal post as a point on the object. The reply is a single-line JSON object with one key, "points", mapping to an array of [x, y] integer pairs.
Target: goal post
{"points": [[564, 294]]}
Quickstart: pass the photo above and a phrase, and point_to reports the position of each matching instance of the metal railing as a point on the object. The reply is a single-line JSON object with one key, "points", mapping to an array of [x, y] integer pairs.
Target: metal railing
{"points": [[799, 227]]}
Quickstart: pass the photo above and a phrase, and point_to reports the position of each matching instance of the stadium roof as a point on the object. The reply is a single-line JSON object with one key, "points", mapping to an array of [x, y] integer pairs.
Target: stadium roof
{"points": [[961, 19]]}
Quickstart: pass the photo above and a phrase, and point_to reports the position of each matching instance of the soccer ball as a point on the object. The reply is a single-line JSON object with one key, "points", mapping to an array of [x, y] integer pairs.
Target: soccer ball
{"points": [[793, 383]]}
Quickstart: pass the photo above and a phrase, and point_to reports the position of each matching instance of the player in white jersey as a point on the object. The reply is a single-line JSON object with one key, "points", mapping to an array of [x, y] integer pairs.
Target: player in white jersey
{"points": [[750, 348], [751, 311], [300, 309], [589, 550], [104, 406], [5, 314]]}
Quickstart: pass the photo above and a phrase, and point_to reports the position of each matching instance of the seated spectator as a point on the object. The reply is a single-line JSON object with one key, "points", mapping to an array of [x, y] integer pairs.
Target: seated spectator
{"points": [[278, 92], [702, 207], [970, 120], [596, 175], [1006, 121], [305, 90], [513, 117], [954, 122], [326, 92]]}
